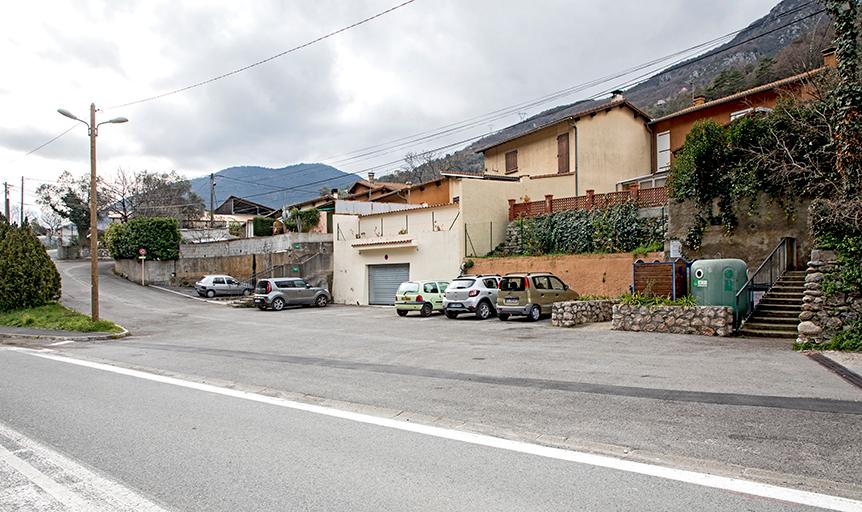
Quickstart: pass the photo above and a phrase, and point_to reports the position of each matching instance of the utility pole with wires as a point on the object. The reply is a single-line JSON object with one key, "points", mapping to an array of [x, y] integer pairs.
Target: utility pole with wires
{"points": [[6, 201], [212, 200], [22, 202]]}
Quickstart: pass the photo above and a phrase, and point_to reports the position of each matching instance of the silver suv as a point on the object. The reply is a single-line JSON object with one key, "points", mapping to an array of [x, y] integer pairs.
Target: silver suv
{"points": [[472, 294], [278, 292]]}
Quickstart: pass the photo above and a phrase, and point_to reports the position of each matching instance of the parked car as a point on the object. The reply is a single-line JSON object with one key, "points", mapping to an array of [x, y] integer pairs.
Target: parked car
{"points": [[531, 294], [210, 286], [422, 296], [472, 294], [277, 292]]}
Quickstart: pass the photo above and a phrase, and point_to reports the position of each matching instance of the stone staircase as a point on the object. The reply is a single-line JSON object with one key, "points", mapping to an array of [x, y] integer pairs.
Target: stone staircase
{"points": [[777, 314]]}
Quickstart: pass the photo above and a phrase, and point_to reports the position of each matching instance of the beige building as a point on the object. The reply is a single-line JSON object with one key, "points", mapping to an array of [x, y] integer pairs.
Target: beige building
{"points": [[594, 144], [375, 252]]}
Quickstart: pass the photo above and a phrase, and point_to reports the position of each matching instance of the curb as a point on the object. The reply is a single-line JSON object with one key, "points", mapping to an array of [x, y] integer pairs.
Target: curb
{"points": [[200, 299], [75, 337]]}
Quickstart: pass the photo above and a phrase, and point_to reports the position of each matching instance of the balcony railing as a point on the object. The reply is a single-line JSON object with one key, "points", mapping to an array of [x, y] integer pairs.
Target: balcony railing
{"points": [[643, 198]]}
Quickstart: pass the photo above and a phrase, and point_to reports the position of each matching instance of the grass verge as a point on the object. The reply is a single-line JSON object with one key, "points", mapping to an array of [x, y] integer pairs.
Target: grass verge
{"points": [[55, 316]]}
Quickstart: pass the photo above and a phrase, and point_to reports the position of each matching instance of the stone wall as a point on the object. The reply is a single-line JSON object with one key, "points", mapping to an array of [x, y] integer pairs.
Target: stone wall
{"points": [[702, 320], [757, 234], [822, 316], [570, 314]]}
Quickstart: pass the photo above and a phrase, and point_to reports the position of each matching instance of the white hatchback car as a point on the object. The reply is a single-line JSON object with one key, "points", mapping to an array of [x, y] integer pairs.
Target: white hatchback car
{"points": [[210, 286]]}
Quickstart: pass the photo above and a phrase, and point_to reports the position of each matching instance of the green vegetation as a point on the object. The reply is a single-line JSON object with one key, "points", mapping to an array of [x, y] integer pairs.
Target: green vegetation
{"points": [[302, 220], [638, 299], [648, 248], [262, 226], [615, 229], [849, 340], [55, 316], [28, 277], [595, 297], [235, 229], [160, 236]]}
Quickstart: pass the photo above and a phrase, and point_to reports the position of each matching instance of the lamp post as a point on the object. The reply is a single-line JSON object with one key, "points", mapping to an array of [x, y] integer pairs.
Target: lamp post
{"points": [[93, 130]]}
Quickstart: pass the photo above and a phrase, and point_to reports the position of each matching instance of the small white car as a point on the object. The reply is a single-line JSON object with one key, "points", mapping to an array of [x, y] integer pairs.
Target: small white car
{"points": [[210, 286]]}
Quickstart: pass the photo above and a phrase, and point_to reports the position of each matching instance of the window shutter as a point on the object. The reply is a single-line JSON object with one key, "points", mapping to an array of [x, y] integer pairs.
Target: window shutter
{"points": [[511, 161], [662, 147]]}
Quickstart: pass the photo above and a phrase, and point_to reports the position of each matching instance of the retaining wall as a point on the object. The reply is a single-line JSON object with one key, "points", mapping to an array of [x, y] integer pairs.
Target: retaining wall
{"points": [[823, 316], [609, 275], [570, 314], [702, 320]]}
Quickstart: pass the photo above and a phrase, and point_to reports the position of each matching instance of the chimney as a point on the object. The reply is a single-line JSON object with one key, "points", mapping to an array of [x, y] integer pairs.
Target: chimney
{"points": [[617, 95], [830, 60], [371, 176], [700, 99], [334, 193]]}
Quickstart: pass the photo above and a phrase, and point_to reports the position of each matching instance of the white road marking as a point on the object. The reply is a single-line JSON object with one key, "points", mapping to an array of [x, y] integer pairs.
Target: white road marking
{"points": [[749, 487], [75, 487], [61, 343]]}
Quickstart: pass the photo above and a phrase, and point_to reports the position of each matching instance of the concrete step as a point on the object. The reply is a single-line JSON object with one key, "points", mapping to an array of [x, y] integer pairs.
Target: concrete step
{"points": [[780, 294], [780, 307], [774, 322], [761, 333], [794, 301], [769, 325], [788, 289], [776, 313]]}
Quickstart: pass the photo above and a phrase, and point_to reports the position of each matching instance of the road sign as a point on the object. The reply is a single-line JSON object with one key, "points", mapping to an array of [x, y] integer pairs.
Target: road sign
{"points": [[142, 251]]}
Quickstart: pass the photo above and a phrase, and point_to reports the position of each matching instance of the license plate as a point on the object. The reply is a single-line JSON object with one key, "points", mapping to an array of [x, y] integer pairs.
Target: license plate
{"points": [[511, 300], [456, 305], [258, 301]]}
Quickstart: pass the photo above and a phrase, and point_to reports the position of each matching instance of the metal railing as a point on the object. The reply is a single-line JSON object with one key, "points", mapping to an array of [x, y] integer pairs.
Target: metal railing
{"points": [[779, 261]]}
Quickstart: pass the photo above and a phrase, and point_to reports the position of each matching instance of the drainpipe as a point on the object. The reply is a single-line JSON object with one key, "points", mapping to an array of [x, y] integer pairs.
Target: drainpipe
{"points": [[577, 146]]}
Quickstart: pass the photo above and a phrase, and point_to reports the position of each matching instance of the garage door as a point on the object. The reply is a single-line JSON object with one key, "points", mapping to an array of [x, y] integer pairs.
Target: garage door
{"points": [[383, 281]]}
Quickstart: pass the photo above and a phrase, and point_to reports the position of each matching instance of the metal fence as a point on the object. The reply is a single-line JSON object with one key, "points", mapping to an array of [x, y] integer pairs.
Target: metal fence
{"points": [[643, 198]]}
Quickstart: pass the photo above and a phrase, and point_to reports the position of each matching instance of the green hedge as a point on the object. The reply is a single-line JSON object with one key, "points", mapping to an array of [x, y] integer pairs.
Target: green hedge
{"points": [[28, 277], [262, 226], [614, 229], [160, 236]]}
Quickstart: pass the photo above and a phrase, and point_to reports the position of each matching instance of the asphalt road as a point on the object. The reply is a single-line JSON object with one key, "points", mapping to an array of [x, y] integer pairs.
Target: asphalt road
{"points": [[187, 449], [737, 408]]}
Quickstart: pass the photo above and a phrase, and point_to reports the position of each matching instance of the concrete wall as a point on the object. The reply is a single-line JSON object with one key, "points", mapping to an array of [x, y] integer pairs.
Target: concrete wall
{"points": [[247, 246], [757, 234], [588, 274], [609, 147], [435, 251]]}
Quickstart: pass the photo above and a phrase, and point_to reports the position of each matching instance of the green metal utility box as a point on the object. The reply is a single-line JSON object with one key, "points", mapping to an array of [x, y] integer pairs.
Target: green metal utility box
{"points": [[716, 282]]}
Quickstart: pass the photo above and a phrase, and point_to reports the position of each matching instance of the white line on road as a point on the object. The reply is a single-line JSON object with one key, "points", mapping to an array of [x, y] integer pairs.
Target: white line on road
{"points": [[749, 487], [61, 343], [72, 485]]}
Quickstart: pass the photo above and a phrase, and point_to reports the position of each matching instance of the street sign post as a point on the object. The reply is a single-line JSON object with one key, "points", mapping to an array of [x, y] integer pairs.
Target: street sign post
{"points": [[142, 256]]}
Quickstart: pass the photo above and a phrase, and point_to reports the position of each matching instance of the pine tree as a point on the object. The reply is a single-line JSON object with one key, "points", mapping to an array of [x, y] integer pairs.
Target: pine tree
{"points": [[28, 277]]}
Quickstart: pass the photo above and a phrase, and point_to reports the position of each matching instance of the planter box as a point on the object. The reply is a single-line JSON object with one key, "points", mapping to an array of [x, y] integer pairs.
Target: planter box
{"points": [[702, 320]]}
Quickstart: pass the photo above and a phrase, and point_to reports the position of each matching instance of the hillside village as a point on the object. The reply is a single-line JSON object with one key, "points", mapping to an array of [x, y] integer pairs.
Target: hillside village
{"points": [[661, 280]]}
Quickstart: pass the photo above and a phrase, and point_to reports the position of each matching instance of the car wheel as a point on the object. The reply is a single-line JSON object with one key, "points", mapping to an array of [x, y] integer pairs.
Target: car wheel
{"points": [[277, 304], [401, 312], [503, 316], [451, 314], [483, 311], [321, 301], [246, 292], [210, 293], [535, 313], [426, 310]]}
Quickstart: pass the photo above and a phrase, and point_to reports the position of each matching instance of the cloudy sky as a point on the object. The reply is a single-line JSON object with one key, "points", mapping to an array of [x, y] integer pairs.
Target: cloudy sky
{"points": [[423, 66]]}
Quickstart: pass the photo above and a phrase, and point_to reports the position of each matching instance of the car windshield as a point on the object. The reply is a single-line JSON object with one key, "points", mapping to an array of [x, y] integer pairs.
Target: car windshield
{"points": [[512, 284], [408, 288], [460, 284]]}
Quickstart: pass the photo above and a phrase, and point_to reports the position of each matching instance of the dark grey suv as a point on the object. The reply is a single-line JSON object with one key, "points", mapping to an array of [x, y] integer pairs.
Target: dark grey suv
{"points": [[277, 292]]}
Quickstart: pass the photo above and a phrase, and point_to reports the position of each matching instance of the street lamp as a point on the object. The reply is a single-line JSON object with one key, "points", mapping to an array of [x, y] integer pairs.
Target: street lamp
{"points": [[93, 130]]}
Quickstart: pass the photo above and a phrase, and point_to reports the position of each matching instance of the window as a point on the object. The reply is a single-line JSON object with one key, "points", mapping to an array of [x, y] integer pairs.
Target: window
{"points": [[512, 162], [461, 284], [430, 288], [284, 284], [299, 283], [556, 284], [512, 284], [443, 286], [541, 283], [490, 283], [662, 149], [218, 280], [408, 288]]}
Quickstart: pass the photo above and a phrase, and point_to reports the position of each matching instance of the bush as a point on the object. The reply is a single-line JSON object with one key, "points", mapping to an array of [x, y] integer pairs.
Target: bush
{"points": [[308, 219], [639, 299], [28, 277], [262, 226], [849, 340], [160, 236]]}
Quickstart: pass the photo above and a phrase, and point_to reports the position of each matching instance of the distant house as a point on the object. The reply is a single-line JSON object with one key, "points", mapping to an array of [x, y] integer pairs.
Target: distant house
{"points": [[594, 144], [670, 130], [239, 206]]}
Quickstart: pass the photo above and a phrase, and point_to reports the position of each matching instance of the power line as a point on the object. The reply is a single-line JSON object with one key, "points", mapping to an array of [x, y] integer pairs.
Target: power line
{"points": [[264, 61]]}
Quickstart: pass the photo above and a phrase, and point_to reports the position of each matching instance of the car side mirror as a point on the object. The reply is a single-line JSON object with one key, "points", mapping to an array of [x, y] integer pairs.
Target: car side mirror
{"points": [[565, 287], [307, 285]]}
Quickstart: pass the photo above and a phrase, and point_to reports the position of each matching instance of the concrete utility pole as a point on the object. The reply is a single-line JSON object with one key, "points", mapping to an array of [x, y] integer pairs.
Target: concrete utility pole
{"points": [[93, 129], [212, 200], [22, 202], [6, 200]]}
